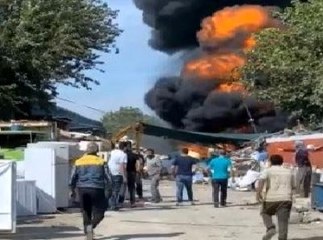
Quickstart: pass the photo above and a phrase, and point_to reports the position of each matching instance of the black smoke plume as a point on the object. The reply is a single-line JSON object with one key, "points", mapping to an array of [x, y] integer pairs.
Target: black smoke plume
{"points": [[194, 105], [191, 103], [174, 23]]}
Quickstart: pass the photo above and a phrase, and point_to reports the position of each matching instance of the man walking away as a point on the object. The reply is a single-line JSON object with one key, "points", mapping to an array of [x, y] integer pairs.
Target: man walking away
{"points": [[132, 163], [219, 168], [304, 173], [117, 165], [183, 170], [154, 167], [90, 176], [278, 183]]}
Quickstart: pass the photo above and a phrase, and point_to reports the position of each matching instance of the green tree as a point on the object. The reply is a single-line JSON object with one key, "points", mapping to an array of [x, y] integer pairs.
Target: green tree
{"points": [[44, 43], [286, 67], [116, 120]]}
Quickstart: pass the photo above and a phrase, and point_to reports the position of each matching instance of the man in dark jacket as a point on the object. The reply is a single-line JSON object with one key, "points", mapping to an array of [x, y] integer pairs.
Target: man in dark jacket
{"points": [[91, 176], [304, 173], [132, 166], [303, 163], [139, 176]]}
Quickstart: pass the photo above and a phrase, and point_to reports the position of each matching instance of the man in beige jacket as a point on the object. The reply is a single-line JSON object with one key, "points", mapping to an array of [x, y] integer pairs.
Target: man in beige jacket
{"points": [[277, 183]]}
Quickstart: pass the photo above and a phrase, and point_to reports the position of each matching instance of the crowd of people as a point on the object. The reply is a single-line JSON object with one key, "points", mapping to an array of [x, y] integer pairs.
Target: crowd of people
{"points": [[101, 186]]}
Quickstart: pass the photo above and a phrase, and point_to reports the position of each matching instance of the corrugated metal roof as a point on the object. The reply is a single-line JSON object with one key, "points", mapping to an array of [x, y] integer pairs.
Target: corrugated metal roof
{"points": [[198, 137], [22, 132]]}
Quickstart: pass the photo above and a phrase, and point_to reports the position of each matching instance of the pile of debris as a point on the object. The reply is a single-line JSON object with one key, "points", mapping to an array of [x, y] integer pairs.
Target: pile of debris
{"points": [[243, 160], [246, 168]]}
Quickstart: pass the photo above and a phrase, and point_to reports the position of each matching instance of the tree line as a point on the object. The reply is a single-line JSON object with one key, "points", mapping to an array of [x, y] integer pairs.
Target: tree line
{"points": [[286, 67], [46, 43]]}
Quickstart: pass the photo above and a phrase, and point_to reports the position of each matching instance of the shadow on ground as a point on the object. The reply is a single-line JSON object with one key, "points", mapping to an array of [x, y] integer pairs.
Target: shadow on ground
{"points": [[34, 219], [251, 204], [140, 236], [193, 224], [311, 238], [147, 208], [41, 232]]}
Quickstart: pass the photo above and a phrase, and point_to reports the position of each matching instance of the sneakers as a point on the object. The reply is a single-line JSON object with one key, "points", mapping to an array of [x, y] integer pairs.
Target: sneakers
{"points": [[270, 233], [89, 232], [217, 205]]}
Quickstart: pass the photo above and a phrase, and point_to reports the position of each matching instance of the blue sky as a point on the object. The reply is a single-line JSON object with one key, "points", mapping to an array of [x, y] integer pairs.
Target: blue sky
{"points": [[128, 75]]}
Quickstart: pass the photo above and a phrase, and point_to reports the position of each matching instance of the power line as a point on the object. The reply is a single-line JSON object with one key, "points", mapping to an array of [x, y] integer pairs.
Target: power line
{"points": [[92, 108]]}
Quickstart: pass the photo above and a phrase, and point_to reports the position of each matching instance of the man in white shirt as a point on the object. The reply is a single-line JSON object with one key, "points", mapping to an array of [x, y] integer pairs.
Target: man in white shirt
{"points": [[278, 184], [117, 165]]}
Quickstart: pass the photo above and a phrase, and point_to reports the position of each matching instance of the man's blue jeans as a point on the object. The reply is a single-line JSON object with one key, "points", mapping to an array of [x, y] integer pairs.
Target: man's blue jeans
{"points": [[117, 182], [181, 182]]}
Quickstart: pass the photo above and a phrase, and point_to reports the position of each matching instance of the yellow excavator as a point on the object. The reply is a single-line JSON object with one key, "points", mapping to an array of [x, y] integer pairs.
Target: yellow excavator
{"points": [[134, 130]]}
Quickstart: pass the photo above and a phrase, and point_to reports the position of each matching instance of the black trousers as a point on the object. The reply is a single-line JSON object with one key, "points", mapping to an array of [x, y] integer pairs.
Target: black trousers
{"points": [[139, 187], [220, 185], [93, 205], [131, 182]]}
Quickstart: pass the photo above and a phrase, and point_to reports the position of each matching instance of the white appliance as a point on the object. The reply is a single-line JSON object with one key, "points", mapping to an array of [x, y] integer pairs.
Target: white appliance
{"points": [[41, 166], [26, 198], [65, 153], [8, 196]]}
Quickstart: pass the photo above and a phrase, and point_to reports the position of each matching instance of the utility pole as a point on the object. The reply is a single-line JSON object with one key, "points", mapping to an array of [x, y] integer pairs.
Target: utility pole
{"points": [[251, 120]]}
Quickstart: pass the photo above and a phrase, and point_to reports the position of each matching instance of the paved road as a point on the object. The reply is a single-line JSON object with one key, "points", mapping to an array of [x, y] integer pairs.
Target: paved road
{"points": [[165, 221]]}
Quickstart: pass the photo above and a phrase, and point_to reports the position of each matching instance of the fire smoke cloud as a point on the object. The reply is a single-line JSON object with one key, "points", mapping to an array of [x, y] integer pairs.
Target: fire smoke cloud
{"points": [[195, 106], [176, 22], [207, 95]]}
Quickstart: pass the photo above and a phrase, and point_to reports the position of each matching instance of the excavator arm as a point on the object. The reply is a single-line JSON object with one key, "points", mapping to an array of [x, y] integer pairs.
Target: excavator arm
{"points": [[136, 130]]}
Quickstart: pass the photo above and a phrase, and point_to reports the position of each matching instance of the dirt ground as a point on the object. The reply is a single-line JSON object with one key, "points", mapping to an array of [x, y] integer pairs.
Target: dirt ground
{"points": [[240, 220]]}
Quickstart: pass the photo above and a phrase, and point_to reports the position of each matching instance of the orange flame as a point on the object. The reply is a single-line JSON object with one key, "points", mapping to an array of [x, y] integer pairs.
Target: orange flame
{"points": [[197, 151], [249, 43], [231, 87], [235, 24], [225, 37], [227, 147], [217, 66]]}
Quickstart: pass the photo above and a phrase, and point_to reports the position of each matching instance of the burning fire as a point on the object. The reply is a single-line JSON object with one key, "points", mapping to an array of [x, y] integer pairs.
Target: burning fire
{"points": [[234, 24], [249, 44], [231, 87], [227, 147], [197, 151], [224, 38], [200, 152], [217, 66]]}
